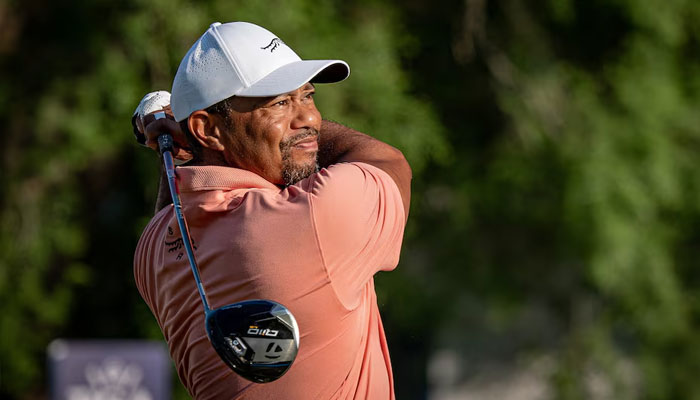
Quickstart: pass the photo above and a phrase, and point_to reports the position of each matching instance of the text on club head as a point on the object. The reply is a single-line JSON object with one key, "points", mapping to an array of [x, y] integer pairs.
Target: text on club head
{"points": [[254, 330]]}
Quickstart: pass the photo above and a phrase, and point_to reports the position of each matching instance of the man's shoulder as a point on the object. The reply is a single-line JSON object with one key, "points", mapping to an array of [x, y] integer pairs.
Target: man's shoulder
{"points": [[345, 174], [154, 229], [350, 191]]}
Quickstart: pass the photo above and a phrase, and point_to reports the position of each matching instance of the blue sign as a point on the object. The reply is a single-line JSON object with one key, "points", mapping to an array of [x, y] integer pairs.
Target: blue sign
{"points": [[109, 369]]}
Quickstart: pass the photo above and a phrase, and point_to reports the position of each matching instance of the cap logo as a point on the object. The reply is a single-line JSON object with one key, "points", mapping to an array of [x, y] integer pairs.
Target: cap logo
{"points": [[273, 44]]}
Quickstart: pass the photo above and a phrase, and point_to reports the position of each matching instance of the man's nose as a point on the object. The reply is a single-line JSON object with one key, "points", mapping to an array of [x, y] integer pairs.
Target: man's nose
{"points": [[305, 116]]}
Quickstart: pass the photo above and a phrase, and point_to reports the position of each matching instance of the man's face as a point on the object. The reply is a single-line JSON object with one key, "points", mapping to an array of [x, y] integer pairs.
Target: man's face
{"points": [[275, 137]]}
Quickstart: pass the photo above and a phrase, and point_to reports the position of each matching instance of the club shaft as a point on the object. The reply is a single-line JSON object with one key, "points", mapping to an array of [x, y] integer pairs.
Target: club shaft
{"points": [[165, 145]]}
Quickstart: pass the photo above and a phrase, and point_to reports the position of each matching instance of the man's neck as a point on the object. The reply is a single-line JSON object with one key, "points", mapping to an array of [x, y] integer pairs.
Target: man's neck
{"points": [[209, 157]]}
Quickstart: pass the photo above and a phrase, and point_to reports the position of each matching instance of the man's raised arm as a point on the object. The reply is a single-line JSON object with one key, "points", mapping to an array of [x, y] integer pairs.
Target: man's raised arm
{"points": [[342, 144]]}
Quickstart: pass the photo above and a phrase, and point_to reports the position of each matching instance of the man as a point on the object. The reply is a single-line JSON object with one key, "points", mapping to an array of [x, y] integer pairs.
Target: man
{"points": [[267, 223]]}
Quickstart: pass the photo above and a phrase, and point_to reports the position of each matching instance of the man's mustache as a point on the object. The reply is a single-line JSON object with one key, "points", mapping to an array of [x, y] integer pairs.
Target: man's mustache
{"points": [[289, 142]]}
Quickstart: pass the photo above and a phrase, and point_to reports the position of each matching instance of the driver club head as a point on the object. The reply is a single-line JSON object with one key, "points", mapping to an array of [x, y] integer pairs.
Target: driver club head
{"points": [[257, 339]]}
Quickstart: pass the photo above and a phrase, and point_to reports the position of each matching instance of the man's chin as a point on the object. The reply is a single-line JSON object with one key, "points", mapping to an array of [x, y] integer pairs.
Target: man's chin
{"points": [[293, 173]]}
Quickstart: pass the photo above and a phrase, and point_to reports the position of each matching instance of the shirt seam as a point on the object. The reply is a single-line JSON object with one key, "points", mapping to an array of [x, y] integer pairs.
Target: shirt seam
{"points": [[312, 216]]}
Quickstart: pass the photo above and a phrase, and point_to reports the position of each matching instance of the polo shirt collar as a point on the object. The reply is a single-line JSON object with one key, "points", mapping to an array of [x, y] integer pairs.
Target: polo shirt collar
{"points": [[200, 178]]}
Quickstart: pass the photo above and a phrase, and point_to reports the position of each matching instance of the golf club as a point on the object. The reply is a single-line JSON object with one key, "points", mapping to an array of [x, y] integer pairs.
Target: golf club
{"points": [[257, 339]]}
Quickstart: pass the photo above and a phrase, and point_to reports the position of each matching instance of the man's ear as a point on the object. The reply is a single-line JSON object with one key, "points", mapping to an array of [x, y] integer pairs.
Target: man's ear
{"points": [[205, 130]]}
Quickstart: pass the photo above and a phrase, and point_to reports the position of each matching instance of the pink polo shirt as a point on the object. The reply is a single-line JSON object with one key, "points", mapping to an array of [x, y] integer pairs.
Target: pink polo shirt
{"points": [[314, 247]]}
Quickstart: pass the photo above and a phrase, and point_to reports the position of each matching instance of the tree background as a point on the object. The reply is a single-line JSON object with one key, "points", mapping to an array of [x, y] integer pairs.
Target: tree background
{"points": [[556, 209]]}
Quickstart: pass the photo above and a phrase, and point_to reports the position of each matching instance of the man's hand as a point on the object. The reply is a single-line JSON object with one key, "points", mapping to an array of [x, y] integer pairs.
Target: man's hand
{"points": [[156, 127], [147, 128]]}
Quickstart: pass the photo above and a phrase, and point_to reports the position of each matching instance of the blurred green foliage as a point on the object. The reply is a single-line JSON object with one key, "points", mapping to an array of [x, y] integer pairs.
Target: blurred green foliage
{"points": [[556, 207], [566, 222]]}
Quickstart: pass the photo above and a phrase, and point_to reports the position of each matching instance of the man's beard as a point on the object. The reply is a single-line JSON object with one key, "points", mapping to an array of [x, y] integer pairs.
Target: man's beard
{"points": [[294, 172]]}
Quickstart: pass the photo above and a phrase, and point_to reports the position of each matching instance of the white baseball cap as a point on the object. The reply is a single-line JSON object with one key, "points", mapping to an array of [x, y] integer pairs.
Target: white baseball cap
{"points": [[243, 59]]}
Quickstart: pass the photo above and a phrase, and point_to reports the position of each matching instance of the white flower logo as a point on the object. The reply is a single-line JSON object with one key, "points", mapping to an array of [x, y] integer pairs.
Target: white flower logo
{"points": [[114, 379]]}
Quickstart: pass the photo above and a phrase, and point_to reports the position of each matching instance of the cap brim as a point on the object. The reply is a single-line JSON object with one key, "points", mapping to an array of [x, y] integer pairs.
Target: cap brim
{"points": [[294, 75]]}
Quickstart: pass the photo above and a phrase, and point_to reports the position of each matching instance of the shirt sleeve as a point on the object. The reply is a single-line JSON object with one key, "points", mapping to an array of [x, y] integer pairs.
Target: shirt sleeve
{"points": [[359, 219], [140, 269], [145, 259]]}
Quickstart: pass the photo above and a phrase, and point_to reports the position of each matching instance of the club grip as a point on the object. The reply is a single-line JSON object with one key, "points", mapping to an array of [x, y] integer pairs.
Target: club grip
{"points": [[165, 143]]}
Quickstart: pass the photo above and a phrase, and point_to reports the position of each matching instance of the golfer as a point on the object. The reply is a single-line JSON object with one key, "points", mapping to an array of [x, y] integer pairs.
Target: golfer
{"points": [[281, 205]]}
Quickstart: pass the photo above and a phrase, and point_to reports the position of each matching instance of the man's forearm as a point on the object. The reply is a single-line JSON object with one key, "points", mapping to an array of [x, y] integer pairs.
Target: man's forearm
{"points": [[163, 198], [339, 143]]}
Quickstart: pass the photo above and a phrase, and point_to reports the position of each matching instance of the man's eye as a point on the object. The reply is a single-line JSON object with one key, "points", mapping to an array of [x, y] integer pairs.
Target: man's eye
{"points": [[281, 103]]}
